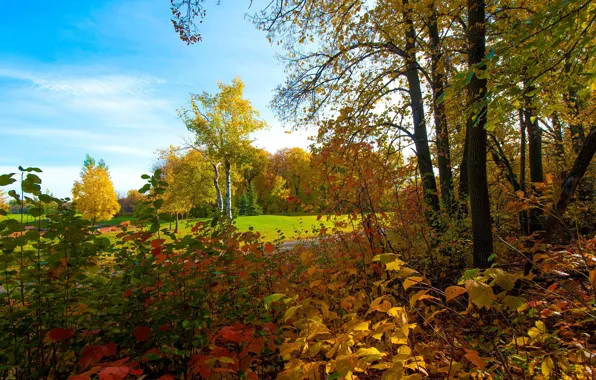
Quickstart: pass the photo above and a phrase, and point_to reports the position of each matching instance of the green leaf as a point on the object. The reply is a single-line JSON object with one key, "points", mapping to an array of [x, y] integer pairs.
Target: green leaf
{"points": [[33, 178], [145, 176], [158, 203], [272, 298], [36, 211], [6, 179], [30, 169]]}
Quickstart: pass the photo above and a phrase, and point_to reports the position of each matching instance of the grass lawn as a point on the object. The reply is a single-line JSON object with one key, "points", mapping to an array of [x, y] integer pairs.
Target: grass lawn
{"points": [[271, 227], [274, 227]]}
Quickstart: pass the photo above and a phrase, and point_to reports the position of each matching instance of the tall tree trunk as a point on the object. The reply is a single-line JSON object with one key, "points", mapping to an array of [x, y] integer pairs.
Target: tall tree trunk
{"points": [[580, 165], [558, 135], [464, 187], [429, 184], [176, 227], [216, 184], [536, 169], [575, 126], [523, 215], [479, 198], [228, 208], [441, 126]]}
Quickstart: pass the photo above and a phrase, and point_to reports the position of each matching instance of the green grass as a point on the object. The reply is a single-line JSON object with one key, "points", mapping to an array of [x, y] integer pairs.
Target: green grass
{"points": [[271, 227]]}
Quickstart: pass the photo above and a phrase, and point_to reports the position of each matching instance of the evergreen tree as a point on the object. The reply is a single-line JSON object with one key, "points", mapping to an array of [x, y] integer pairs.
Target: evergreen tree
{"points": [[253, 207]]}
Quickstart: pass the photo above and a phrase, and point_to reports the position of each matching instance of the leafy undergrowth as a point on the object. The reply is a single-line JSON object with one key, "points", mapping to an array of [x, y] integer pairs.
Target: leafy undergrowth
{"points": [[219, 304]]}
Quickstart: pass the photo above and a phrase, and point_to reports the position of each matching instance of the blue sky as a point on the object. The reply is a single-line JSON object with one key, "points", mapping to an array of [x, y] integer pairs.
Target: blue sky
{"points": [[106, 77]]}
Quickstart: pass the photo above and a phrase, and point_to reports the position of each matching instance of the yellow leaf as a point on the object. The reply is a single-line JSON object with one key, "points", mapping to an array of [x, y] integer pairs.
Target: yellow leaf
{"points": [[411, 281], [225, 359], [454, 292], [290, 312], [417, 296], [522, 341], [395, 311], [547, 367], [315, 283], [368, 351], [305, 256], [397, 264], [361, 326], [480, 294]]}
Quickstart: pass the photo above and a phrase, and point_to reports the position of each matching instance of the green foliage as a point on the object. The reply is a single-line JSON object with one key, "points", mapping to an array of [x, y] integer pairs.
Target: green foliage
{"points": [[243, 204], [252, 205]]}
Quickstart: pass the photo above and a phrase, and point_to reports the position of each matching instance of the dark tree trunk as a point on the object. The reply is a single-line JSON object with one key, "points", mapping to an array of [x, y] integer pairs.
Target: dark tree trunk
{"points": [[441, 126], [425, 166], [536, 170], [523, 215], [477, 177], [176, 226], [580, 165], [575, 127], [558, 137], [464, 188]]}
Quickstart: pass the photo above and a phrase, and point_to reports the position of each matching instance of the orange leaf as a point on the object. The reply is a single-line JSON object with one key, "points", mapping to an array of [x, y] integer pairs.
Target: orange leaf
{"points": [[269, 248], [141, 333], [473, 357], [167, 377], [157, 243], [59, 334], [113, 373], [454, 292]]}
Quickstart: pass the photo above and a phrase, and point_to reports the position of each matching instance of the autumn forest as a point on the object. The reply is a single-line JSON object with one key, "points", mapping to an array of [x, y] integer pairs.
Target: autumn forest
{"points": [[450, 189]]}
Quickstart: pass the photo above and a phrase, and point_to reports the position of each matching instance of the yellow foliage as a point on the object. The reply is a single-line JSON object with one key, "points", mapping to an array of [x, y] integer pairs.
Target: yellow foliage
{"points": [[94, 194]]}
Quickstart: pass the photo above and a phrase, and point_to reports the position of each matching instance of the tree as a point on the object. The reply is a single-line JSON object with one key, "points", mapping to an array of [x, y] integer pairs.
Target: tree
{"points": [[477, 136], [293, 164], [189, 181], [94, 194], [252, 206], [129, 203], [222, 124]]}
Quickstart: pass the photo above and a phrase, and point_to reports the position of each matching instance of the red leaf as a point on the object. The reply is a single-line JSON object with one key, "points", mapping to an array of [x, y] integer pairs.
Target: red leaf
{"points": [[231, 334], [141, 333], [110, 349], [88, 333], [80, 377], [113, 373], [269, 248], [157, 243], [167, 377], [257, 345], [165, 327], [90, 355], [59, 334], [136, 372]]}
